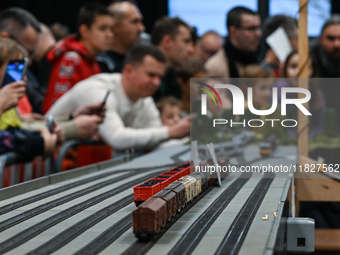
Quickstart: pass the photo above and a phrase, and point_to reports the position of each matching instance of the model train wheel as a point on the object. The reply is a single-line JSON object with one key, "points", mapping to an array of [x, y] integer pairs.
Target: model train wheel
{"points": [[144, 238], [138, 203]]}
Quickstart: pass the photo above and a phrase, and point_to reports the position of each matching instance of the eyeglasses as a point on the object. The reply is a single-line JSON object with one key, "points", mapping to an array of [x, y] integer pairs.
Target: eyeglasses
{"points": [[209, 52], [31, 53], [252, 29]]}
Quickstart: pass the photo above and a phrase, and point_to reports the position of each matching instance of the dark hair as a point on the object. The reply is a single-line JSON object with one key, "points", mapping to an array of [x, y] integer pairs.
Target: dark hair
{"points": [[288, 23], [170, 100], [166, 26], [194, 36], [88, 14], [187, 71], [285, 66], [315, 73], [314, 86], [234, 16], [9, 49], [136, 55], [59, 31], [333, 20], [14, 20]]}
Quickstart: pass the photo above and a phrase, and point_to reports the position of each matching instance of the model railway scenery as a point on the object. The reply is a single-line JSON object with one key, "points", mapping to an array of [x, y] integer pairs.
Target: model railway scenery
{"points": [[179, 210], [170, 127]]}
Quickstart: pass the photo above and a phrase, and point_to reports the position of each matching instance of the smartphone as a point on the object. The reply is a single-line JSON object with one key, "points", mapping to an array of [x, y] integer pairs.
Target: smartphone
{"points": [[16, 69], [50, 123], [103, 103]]}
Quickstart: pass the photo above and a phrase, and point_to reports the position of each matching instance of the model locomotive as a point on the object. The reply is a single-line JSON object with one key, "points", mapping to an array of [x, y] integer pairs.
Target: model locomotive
{"points": [[151, 187], [153, 214], [268, 146]]}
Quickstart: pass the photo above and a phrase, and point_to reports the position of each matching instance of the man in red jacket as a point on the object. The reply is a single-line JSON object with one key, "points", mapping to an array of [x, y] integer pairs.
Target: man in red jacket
{"points": [[74, 57]]}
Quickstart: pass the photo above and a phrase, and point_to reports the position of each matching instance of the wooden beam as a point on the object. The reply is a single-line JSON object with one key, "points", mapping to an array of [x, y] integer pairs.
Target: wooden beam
{"points": [[314, 186], [303, 83], [327, 239]]}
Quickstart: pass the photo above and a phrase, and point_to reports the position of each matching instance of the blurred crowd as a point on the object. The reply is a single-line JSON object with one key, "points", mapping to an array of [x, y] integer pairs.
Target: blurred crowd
{"points": [[145, 79]]}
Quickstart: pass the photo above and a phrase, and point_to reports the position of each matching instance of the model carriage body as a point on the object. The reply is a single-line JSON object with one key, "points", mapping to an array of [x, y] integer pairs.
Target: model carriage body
{"points": [[151, 187], [153, 214], [268, 146]]}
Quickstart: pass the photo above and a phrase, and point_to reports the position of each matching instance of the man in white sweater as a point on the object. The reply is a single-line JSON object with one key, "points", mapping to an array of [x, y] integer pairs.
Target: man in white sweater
{"points": [[132, 119]]}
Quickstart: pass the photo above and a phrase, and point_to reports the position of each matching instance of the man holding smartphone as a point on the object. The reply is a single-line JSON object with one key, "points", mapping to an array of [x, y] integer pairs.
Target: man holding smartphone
{"points": [[132, 119], [26, 143]]}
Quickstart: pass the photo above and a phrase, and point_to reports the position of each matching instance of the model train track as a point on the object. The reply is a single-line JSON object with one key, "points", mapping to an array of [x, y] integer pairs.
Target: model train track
{"points": [[72, 232], [199, 228], [177, 156], [238, 230], [27, 201], [40, 227], [107, 237], [57, 202], [143, 247]]}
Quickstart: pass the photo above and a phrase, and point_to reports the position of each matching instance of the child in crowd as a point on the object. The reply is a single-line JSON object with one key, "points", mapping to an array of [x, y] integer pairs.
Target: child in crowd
{"points": [[74, 58], [262, 88], [261, 80], [171, 110]]}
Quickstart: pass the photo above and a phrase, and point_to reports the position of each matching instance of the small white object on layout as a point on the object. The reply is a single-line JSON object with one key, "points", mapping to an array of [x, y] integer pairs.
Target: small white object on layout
{"points": [[213, 156], [194, 154]]}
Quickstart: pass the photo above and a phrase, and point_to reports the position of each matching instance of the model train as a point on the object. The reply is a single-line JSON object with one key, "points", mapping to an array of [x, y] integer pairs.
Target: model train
{"points": [[153, 214], [151, 187], [268, 146]]}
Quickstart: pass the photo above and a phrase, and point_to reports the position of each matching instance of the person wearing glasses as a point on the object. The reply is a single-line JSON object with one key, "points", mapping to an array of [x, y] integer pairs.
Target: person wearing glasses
{"points": [[241, 46], [210, 43]]}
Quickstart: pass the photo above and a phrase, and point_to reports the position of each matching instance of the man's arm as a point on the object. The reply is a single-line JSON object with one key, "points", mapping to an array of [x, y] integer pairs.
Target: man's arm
{"points": [[64, 105], [27, 144], [119, 137]]}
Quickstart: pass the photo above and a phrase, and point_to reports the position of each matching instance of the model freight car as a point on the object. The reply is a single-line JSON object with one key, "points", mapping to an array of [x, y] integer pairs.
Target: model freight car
{"points": [[268, 146], [151, 187], [151, 216]]}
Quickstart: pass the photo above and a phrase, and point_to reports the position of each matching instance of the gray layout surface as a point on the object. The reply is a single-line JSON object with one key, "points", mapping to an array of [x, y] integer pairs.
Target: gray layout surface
{"points": [[254, 243]]}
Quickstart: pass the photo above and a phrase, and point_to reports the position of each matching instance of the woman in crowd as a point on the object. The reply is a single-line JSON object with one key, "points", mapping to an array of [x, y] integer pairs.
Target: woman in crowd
{"points": [[317, 104], [28, 144]]}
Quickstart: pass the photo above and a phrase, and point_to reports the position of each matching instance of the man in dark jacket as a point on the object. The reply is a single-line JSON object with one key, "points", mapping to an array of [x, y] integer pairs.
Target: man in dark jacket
{"points": [[127, 30], [173, 37], [241, 46], [327, 53]]}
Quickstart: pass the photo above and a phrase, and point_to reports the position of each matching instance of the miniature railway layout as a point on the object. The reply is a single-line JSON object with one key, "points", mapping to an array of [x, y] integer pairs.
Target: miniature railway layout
{"points": [[91, 214]]}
